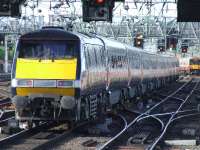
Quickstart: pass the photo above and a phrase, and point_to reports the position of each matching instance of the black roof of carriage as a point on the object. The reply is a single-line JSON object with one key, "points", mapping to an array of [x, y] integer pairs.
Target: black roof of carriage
{"points": [[50, 33]]}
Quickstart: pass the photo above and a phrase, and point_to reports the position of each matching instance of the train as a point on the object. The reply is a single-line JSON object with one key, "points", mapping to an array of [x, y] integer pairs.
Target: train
{"points": [[194, 65], [184, 65], [59, 75]]}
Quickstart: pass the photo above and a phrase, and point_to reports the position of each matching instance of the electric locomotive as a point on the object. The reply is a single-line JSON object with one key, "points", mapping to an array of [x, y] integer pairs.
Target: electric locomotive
{"points": [[61, 75]]}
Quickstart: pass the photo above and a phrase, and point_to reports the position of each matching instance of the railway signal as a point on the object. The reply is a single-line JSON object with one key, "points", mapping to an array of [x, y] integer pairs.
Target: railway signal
{"points": [[187, 10], [172, 43], [184, 46], [139, 41], [98, 10], [184, 49], [11, 8], [161, 48], [161, 45]]}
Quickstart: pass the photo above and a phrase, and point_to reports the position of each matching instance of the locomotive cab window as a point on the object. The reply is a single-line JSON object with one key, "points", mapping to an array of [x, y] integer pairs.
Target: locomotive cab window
{"points": [[47, 49]]}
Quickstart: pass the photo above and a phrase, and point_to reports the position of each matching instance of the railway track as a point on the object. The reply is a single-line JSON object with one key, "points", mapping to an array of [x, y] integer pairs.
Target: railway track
{"points": [[5, 83], [4, 92], [34, 138], [45, 136], [86, 133], [94, 141], [137, 132], [6, 114], [90, 136], [161, 116], [5, 95], [5, 102]]}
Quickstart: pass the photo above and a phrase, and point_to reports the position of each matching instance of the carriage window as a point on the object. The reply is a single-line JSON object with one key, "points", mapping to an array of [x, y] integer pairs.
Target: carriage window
{"points": [[87, 56], [134, 59], [102, 55], [87, 61], [154, 63], [146, 62], [47, 49], [99, 55], [96, 54]]}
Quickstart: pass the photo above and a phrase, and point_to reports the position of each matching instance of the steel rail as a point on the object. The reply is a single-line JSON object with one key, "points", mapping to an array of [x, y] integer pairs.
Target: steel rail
{"points": [[124, 120], [183, 116], [163, 114], [166, 98], [173, 97], [6, 103], [171, 118], [1, 115], [6, 113], [24, 133], [143, 114], [50, 143], [5, 100], [169, 113], [5, 120], [155, 116]]}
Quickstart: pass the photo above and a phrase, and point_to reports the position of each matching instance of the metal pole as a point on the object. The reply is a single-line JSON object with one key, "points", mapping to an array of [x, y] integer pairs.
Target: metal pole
{"points": [[33, 15], [6, 55], [165, 34]]}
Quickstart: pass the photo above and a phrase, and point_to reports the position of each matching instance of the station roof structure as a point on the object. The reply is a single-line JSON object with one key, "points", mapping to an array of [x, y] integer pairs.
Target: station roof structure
{"points": [[154, 19]]}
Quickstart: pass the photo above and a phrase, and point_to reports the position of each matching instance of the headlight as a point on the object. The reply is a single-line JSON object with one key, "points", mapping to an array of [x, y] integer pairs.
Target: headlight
{"points": [[64, 83], [45, 83], [25, 83]]}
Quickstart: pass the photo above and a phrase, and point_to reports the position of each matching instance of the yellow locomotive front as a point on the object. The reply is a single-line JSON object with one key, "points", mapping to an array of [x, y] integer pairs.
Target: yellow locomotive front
{"points": [[45, 75]]}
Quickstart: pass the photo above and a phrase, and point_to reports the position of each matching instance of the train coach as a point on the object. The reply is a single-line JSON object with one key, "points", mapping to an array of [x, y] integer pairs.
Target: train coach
{"points": [[61, 75], [184, 65], [195, 65]]}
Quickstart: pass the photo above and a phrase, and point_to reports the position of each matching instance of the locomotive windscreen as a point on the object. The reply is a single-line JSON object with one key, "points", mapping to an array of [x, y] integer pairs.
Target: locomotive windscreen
{"points": [[47, 49]]}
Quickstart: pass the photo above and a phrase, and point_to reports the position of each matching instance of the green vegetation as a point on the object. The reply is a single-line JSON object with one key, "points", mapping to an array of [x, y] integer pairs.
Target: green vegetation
{"points": [[1, 53], [10, 53]]}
